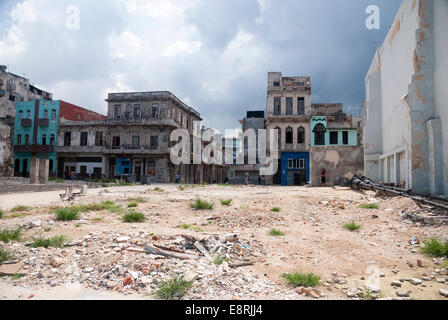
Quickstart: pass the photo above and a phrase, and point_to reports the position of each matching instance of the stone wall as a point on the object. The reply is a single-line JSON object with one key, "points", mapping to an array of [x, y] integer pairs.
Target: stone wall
{"points": [[6, 152]]}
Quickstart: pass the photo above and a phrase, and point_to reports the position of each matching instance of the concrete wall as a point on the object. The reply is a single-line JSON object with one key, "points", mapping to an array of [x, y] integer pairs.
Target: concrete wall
{"points": [[339, 163], [6, 152]]}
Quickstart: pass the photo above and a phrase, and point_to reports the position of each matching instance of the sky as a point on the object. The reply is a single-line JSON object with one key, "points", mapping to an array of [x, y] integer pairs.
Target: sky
{"points": [[212, 54]]}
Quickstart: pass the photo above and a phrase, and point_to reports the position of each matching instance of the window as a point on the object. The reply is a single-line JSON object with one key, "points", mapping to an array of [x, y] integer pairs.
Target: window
{"points": [[301, 106], [155, 111], [334, 137], [27, 139], [181, 119], [117, 111], [20, 115], [301, 135], [98, 138], [28, 114], [67, 139], [296, 163], [154, 141], [279, 141], [53, 114], [84, 136], [135, 141], [277, 106], [116, 141], [276, 83], [44, 139], [319, 135], [12, 98], [289, 106], [52, 139], [289, 137], [136, 111], [45, 114], [345, 137], [19, 139]]}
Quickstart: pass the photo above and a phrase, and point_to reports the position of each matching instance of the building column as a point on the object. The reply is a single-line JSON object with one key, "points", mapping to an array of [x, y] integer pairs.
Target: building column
{"points": [[44, 170], [435, 155], [34, 171]]}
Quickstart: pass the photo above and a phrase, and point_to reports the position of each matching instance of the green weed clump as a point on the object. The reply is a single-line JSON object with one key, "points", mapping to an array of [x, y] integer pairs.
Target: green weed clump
{"points": [[352, 226], [199, 204], [435, 248], [134, 217], [7, 235], [174, 288], [298, 279], [55, 242]]}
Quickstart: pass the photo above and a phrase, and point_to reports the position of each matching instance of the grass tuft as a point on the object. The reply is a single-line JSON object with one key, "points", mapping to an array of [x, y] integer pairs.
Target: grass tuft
{"points": [[369, 206], [187, 226], [276, 209], [218, 260], [4, 255], [174, 288], [352, 226], [157, 189], [199, 204], [298, 279], [8, 235], [55, 242], [137, 199], [435, 248], [20, 208], [132, 205], [275, 232], [133, 216], [67, 213], [227, 202]]}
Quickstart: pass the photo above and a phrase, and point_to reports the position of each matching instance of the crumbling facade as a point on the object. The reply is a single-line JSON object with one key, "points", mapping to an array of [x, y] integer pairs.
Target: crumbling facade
{"points": [[311, 137], [405, 112]]}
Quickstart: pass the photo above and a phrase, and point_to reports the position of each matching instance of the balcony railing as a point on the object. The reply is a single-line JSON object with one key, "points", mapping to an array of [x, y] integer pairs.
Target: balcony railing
{"points": [[26, 123], [44, 122], [35, 148], [135, 149]]}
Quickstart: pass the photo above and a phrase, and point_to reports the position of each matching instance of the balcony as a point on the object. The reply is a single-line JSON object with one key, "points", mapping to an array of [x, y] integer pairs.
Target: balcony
{"points": [[34, 148], [79, 149], [44, 122], [129, 149], [26, 123]]}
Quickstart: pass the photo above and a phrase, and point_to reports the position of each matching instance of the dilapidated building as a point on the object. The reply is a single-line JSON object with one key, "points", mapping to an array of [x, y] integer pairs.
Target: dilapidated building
{"points": [[311, 137], [405, 112]]}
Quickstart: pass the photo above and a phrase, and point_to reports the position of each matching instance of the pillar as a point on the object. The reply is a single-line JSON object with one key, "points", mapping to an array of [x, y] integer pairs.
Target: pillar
{"points": [[34, 171], [44, 170]]}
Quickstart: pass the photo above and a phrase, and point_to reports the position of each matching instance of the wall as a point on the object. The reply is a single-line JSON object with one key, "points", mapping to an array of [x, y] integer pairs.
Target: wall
{"points": [[6, 152], [339, 163]]}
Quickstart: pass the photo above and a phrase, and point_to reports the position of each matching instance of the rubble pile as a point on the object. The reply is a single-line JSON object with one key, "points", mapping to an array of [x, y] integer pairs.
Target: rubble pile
{"points": [[238, 219]]}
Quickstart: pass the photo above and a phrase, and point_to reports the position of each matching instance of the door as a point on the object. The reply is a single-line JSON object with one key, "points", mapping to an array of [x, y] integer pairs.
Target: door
{"points": [[138, 172], [299, 177], [25, 168], [83, 171]]}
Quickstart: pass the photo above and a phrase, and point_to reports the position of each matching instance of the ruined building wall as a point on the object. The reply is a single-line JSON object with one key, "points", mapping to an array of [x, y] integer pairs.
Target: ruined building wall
{"points": [[339, 163], [6, 152]]}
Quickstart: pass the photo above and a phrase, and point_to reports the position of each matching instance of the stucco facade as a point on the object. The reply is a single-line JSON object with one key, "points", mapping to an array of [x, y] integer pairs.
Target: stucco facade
{"points": [[405, 113]]}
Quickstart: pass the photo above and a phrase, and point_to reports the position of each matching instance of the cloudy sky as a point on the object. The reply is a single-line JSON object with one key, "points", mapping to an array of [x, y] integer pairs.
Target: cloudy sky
{"points": [[212, 54]]}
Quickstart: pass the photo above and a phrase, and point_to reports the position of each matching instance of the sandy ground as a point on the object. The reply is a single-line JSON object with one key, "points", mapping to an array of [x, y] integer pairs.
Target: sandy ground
{"points": [[311, 218]]}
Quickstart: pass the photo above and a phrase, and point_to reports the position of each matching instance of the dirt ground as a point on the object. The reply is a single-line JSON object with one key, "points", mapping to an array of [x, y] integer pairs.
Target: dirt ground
{"points": [[314, 241]]}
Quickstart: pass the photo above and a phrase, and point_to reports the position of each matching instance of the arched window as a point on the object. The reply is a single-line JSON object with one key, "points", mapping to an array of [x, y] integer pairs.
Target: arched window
{"points": [[27, 139], [319, 135], [53, 114], [289, 135], [52, 139], [28, 114], [51, 166], [44, 139], [19, 139], [301, 135], [20, 115], [45, 114]]}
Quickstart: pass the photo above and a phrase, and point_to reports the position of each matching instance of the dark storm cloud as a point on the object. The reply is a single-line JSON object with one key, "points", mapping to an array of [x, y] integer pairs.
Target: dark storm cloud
{"points": [[214, 54]]}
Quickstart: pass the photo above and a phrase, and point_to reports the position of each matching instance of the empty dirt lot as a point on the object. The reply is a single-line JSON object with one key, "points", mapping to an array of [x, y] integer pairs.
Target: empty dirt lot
{"points": [[104, 256]]}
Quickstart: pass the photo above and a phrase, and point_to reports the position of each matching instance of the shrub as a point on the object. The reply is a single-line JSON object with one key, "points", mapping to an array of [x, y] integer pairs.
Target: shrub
{"points": [[157, 189], [298, 279], [275, 232], [133, 216], [435, 248], [181, 188], [219, 260], [8, 235], [226, 202], [56, 242], [185, 226], [175, 288], [1, 214], [276, 209], [132, 205], [4, 255], [352, 226], [67, 213], [369, 206], [104, 185], [199, 204]]}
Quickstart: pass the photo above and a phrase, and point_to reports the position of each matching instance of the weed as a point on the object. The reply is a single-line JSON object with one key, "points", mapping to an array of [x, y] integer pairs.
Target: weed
{"points": [[55, 242], [218, 260], [133, 216], [199, 204], [8, 235], [275, 232], [20, 208], [435, 248], [369, 206], [137, 200], [298, 279], [276, 209], [174, 288], [67, 213], [352, 226], [133, 205], [157, 189], [181, 188], [1, 214], [227, 202], [4, 255]]}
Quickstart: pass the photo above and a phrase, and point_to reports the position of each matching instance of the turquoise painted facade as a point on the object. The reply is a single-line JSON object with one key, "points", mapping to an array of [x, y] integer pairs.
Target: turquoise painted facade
{"points": [[45, 134], [352, 134]]}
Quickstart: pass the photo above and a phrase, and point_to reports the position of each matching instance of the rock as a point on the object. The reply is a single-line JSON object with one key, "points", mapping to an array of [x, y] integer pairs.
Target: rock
{"points": [[419, 263], [424, 278], [127, 281], [88, 269], [396, 283], [443, 292], [56, 262], [441, 280], [402, 294], [123, 239], [415, 281], [35, 224], [10, 269], [111, 284]]}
